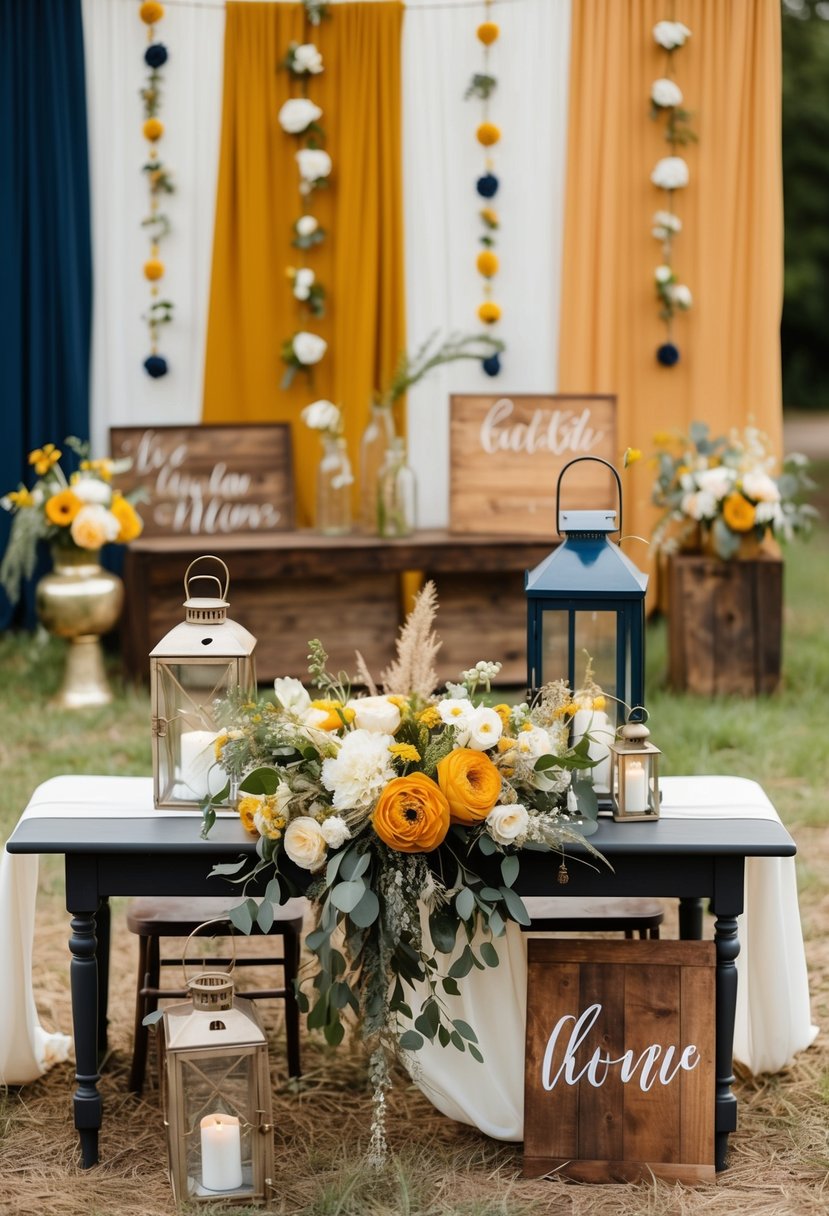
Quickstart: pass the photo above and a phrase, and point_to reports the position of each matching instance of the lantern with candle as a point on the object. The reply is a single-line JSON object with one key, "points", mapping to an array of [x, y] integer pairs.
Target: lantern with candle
{"points": [[217, 1096], [199, 661], [634, 778], [588, 596]]}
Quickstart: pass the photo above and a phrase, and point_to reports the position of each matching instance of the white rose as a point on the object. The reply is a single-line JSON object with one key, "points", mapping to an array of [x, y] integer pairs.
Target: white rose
{"points": [[93, 526], [309, 348], [670, 173], [681, 296], [666, 219], [759, 486], [297, 114], [699, 505], [305, 843], [506, 823], [291, 694], [663, 274], [313, 164], [321, 416], [303, 282], [335, 830], [307, 225], [671, 34], [717, 482], [485, 728], [375, 714], [665, 92], [307, 58], [90, 489]]}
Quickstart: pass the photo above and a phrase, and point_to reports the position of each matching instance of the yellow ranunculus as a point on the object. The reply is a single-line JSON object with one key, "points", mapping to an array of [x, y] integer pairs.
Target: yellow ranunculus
{"points": [[487, 263], [153, 129], [488, 134], [411, 815], [151, 11], [62, 508], [249, 804], [488, 32], [153, 269], [471, 783], [336, 712], [129, 519], [43, 458], [739, 513], [489, 312]]}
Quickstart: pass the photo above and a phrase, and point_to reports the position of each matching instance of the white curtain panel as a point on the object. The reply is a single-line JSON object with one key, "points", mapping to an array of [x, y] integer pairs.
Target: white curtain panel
{"points": [[114, 42], [442, 162]]}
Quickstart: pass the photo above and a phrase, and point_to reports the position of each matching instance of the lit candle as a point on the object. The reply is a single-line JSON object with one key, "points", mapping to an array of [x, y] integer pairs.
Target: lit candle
{"points": [[636, 787], [221, 1153], [200, 775]]}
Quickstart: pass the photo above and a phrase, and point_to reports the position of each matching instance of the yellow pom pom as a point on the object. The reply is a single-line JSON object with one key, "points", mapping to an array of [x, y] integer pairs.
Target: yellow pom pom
{"points": [[489, 312], [151, 11], [488, 134], [487, 263], [153, 129], [490, 217], [488, 32], [153, 269]]}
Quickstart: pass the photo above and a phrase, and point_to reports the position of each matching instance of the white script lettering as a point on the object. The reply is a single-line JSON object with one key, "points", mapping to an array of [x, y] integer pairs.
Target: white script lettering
{"points": [[555, 431]]}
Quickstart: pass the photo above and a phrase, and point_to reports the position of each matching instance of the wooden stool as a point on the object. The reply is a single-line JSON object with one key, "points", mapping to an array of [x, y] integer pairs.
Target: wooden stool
{"points": [[153, 919], [594, 914]]}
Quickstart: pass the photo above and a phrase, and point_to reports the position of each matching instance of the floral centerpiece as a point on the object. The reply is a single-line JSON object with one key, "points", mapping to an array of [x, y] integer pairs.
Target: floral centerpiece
{"points": [[407, 810], [80, 512], [718, 493]]}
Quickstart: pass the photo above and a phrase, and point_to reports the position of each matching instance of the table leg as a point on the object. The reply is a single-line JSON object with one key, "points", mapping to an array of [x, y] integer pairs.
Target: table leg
{"points": [[690, 918], [728, 947], [102, 932], [83, 975]]}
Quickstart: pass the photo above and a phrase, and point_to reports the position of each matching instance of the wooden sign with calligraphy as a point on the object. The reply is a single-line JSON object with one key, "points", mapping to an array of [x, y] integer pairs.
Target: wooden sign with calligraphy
{"points": [[209, 480], [619, 1068], [506, 454]]}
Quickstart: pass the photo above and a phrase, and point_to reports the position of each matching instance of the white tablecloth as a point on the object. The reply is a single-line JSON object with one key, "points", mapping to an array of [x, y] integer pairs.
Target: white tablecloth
{"points": [[772, 1023]]}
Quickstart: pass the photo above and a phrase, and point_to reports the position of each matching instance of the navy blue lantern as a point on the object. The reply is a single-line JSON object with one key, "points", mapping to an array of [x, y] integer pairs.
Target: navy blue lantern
{"points": [[588, 596]]}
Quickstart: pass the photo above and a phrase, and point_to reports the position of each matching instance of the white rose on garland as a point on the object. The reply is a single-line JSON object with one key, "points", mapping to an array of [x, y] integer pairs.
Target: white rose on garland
{"points": [[670, 173], [297, 114], [335, 830], [314, 166], [307, 225], [666, 93], [506, 824], [301, 352], [303, 282], [305, 843], [663, 274], [681, 296], [304, 59], [665, 223], [322, 416], [671, 34]]}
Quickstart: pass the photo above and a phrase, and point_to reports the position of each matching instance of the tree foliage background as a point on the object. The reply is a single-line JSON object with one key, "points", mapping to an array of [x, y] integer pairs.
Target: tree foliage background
{"points": [[805, 327]]}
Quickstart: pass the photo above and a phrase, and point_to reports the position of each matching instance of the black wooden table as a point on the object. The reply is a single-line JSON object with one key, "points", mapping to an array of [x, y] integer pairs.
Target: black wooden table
{"points": [[688, 859]]}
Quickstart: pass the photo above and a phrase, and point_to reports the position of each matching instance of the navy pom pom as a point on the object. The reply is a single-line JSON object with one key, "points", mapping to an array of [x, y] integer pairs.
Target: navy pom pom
{"points": [[487, 185], [668, 354], [155, 55], [155, 366], [491, 365]]}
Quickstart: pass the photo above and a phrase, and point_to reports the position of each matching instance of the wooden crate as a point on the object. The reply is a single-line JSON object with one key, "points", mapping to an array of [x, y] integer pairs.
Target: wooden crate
{"points": [[725, 624], [620, 1119]]}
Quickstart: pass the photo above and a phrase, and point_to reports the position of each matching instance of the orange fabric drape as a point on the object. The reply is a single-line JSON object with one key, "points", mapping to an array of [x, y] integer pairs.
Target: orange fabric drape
{"points": [[252, 310], [730, 251]]}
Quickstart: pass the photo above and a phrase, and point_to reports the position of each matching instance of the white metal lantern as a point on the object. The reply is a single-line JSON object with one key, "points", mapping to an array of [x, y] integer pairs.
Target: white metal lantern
{"points": [[217, 1095], [634, 777], [201, 659]]}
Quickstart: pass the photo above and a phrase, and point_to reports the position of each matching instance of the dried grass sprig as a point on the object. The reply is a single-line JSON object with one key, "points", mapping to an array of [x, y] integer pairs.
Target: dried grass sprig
{"points": [[413, 671]]}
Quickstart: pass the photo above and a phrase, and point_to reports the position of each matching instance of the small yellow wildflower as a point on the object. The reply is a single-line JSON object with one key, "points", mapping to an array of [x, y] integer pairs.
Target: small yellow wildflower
{"points": [[404, 752], [248, 806], [505, 744], [662, 439], [337, 714], [218, 745], [400, 702], [429, 717], [631, 456], [503, 711], [571, 709], [20, 498], [43, 458], [599, 702], [527, 726]]}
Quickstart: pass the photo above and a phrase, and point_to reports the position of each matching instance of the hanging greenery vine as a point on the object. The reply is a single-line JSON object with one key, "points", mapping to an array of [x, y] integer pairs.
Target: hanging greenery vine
{"points": [[482, 86], [670, 174], [299, 118], [156, 223]]}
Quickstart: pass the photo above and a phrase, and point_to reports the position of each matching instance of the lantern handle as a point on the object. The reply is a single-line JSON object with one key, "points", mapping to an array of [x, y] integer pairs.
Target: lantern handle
{"points": [[217, 920], [598, 460], [207, 557]]}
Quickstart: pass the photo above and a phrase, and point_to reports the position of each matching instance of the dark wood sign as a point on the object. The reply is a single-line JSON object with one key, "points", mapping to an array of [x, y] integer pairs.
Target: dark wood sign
{"points": [[506, 454], [209, 480], [620, 1060]]}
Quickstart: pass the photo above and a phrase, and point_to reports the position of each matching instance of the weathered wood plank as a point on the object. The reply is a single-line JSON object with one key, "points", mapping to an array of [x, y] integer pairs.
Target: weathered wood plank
{"points": [[550, 1118]]}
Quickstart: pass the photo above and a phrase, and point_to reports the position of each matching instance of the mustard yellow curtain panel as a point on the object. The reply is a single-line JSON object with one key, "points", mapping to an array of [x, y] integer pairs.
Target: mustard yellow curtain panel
{"points": [[730, 251], [252, 310]]}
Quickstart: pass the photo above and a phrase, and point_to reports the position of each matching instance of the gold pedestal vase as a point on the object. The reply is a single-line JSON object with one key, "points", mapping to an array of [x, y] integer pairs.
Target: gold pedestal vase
{"points": [[80, 601]]}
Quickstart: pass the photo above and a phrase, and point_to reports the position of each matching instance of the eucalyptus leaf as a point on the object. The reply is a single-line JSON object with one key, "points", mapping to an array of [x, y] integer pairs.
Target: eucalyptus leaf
{"points": [[334, 1032], [456, 1041], [355, 865], [496, 923], [152, 1018], [264, 917], [489, 954], [339, 994], [476, 1053], [262, 780], [273, 891], [464, 1029], [424, 1026], [450, 986], [367, 910], [346, 895], [464, 903], [241, 917], [510, 867], [462, 964], [487, 845], [410, 1040], [443, 929], [491, 894], [332, 869], [316, 939], [443, 1036], [318, 1017], [227, 867], [515, 906]]}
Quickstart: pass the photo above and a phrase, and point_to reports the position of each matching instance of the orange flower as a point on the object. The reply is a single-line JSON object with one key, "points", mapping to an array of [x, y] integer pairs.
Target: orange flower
{"points": [[128, 518], [153, 129], [62, 508], [471, 783], [336, 713], [411, 815], [487, 263], [738, 513], [488, 134], [487, 32], [489, 312]]}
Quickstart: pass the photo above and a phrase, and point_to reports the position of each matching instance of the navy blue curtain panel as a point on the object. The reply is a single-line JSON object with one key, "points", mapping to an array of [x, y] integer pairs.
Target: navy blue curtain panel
{"points": [[45, 246]]}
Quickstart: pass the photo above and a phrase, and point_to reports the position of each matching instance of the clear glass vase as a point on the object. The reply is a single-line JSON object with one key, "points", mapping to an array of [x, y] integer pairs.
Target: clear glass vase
{"points": [[378, 439], [334, 482], [396, 502]]}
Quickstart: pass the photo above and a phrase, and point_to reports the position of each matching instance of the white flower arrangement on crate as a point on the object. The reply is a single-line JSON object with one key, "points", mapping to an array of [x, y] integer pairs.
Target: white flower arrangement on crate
{"points": [[389, 805]]}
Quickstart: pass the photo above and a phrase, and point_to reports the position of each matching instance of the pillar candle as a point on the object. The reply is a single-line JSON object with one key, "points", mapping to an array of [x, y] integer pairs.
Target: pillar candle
{"points": [[636, 787], [221, 1153], [200, 775]]}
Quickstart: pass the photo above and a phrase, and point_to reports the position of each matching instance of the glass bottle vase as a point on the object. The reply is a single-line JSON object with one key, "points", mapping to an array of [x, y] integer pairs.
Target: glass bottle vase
{"points": [[377, 440], [334, 482], [396, 502]]}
